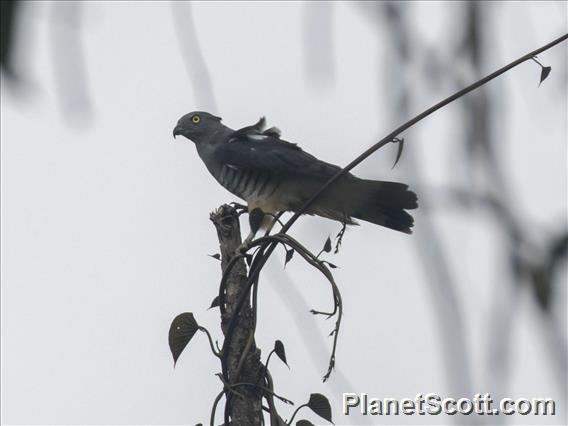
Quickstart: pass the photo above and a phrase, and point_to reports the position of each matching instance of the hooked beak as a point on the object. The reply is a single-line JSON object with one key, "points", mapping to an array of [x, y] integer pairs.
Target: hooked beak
{"points": [[178, 130]]}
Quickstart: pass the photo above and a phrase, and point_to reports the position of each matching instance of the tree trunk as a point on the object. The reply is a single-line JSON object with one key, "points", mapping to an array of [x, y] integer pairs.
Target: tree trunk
{"points": [[246, 409]]}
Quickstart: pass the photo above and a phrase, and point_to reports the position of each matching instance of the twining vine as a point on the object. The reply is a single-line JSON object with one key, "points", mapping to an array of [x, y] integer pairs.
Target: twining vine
{"points": [[184, 326]]}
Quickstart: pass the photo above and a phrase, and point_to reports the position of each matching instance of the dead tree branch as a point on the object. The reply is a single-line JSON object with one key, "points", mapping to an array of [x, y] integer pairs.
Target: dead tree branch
{"points": [[246, 410]]}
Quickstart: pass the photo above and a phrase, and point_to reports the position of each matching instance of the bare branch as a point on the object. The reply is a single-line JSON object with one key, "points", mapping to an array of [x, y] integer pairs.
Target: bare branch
{"points": [[246, 410]]}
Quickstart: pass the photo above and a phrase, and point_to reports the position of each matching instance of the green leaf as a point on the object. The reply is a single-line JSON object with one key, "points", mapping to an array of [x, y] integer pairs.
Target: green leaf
{"points": [[182, 330], [304, 422], [279, 351], [327, 245], [320, 405]]}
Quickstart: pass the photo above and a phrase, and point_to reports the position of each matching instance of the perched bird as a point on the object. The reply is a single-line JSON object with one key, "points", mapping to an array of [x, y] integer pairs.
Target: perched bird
{"points": [[273, 175]]}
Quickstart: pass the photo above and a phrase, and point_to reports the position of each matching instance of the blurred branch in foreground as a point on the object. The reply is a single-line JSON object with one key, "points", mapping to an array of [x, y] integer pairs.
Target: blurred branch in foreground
{"points": [[8, 15], [440, 277], [192, 55], [68, 62], [67, 55]]}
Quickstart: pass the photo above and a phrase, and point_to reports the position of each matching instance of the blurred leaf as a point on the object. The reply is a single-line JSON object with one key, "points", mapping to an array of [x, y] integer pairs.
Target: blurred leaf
{"points": [[327, 245], [182, 330], [541, 284], [279, 350], [543, 275], [559, 247], [8, 29], [289, 255], [304, 422], [215, 256], [248, 259], [331, 265], [320, 405], [544, 74], [214, 303]]}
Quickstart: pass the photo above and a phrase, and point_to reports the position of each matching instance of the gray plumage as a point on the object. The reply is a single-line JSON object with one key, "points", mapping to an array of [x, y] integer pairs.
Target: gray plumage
{"points": [[274, 175]]}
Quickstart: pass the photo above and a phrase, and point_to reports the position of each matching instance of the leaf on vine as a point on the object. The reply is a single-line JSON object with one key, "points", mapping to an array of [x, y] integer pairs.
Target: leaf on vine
{"points": [[400, 143], [304, 422], [339, 237], [327, 245], [182, 330], [214, 303], [331, 265], [320, 405], [215, 256], [279, 351], [544, 72], [289, 255]]}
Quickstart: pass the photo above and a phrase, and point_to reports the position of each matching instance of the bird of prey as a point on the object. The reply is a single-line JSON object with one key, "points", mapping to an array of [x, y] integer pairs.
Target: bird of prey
{"points": [[273, 175]]}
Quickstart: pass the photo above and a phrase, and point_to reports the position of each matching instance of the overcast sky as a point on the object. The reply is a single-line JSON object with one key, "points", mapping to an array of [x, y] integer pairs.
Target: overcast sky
{"points": [[105, 217]]}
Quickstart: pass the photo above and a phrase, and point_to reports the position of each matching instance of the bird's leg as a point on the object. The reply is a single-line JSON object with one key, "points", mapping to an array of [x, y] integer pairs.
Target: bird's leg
{"points": [[275, 218], [256, 217]]}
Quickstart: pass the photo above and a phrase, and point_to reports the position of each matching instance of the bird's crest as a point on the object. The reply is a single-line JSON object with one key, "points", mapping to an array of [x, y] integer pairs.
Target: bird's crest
{"points": [[256, 132]]}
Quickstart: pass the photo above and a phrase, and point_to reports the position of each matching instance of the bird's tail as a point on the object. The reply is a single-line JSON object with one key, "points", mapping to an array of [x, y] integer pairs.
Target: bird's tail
{"points": [[385, 203], [382, 203]]}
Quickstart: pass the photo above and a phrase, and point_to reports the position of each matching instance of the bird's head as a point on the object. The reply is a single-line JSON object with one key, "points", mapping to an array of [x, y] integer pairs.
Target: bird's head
{"points": [[197, 126]]}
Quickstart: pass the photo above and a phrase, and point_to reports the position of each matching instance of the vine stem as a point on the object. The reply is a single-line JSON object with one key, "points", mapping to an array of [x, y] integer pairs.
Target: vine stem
{"points": [[296, 412], [217, 354], [217, 399]]}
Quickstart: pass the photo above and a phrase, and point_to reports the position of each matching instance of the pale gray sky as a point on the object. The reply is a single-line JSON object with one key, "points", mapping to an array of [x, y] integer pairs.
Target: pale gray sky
{"points": [[105, 229]]}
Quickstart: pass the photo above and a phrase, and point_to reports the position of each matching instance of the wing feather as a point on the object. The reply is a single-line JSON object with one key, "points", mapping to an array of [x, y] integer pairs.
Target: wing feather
{"points": [[272, 155]]}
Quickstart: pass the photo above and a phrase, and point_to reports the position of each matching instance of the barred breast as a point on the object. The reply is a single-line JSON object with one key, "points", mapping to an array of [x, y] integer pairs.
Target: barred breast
{"points": [[253, 186]]}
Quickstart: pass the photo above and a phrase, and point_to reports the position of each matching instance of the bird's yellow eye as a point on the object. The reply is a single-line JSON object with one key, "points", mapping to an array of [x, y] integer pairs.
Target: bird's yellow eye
{"points": [[196, 119]]}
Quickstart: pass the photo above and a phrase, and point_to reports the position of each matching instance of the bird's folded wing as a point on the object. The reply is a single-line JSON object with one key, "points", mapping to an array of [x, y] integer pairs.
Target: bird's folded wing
{"points": [[273, 155]]}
